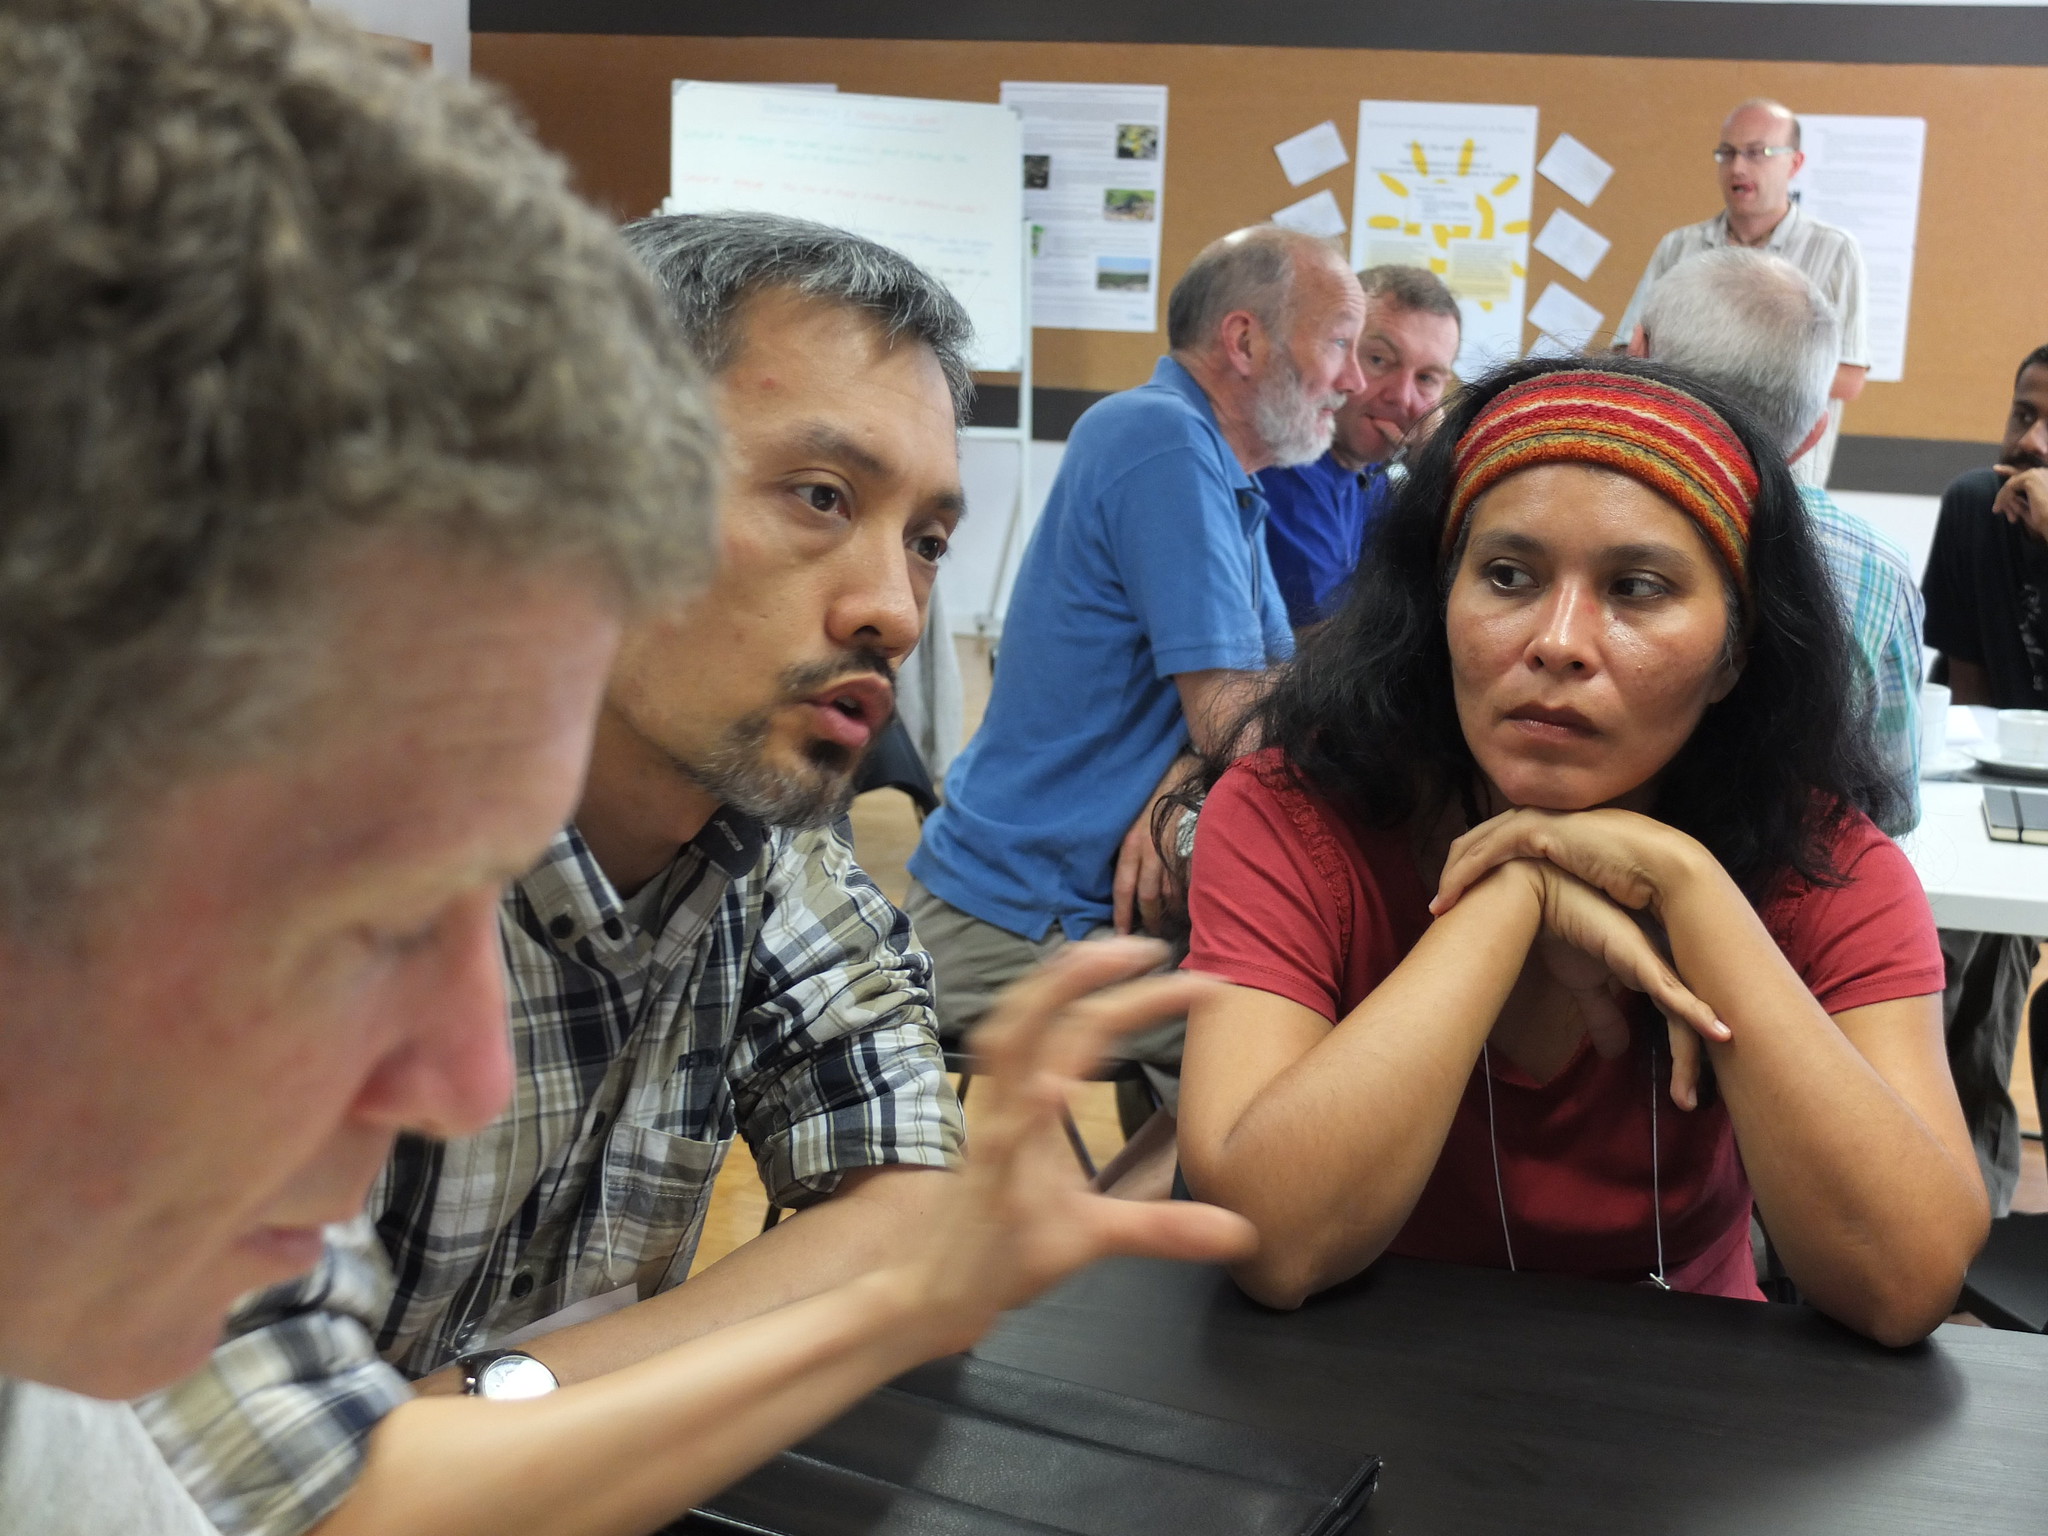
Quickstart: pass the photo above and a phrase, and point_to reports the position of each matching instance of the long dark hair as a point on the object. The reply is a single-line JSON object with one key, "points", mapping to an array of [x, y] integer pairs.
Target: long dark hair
{"points": [[1366, 719]]}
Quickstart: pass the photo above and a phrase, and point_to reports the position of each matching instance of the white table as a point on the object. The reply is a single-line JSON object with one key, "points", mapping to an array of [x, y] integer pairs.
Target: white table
{"points": [[1971, 881]]}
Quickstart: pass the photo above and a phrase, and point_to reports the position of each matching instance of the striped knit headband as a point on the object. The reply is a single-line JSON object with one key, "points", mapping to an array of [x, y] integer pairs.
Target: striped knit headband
{"points": [[1652, 433]]}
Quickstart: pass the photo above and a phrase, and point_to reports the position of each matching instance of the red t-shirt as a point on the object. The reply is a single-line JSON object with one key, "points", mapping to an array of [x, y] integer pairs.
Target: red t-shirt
{"points": [[1288, 897]]}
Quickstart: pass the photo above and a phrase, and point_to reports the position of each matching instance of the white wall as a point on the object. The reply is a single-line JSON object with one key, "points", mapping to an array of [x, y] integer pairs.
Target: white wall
{"points": [[974, 589], [441, 24]]}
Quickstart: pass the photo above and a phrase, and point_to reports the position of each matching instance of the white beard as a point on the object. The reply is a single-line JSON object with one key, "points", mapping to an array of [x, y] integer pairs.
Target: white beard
{"points": [[1294, 428]]}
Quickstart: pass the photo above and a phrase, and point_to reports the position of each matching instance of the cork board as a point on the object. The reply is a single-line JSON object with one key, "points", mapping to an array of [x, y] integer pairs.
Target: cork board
{"points": [[1978, 302]]}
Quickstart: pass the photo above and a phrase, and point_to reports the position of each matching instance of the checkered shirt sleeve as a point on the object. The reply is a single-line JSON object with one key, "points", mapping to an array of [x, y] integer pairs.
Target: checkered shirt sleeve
{"points": [[269, 1437], [835, 1061], [781, 997], [1884, 608]]}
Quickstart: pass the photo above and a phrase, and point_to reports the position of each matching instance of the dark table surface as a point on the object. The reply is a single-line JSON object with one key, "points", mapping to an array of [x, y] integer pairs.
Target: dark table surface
{"points": [[1531, 1403]]}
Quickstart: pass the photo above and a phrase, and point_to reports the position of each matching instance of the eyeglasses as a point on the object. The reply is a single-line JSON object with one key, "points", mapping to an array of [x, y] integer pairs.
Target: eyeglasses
{"points": [[1754, 154]]}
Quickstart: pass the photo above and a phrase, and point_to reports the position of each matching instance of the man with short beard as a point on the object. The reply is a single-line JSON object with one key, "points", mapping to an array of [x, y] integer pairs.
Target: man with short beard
{"points": [[1144, 612], [696, 955]]}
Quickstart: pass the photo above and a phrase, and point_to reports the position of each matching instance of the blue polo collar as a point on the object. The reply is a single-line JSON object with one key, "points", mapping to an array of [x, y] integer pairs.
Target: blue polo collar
{"points": [[1251, 501]]}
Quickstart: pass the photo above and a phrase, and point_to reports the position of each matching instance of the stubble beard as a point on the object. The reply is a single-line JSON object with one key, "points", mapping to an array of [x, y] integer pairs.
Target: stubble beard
{"points": [[817, 790]]}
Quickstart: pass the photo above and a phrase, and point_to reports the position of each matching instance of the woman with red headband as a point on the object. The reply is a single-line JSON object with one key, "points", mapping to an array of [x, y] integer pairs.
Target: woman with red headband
{"points": [[1585, 730]]}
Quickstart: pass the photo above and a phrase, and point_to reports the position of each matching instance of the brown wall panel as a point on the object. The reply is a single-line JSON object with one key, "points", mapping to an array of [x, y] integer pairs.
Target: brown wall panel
{"points": [[1979, 301]]}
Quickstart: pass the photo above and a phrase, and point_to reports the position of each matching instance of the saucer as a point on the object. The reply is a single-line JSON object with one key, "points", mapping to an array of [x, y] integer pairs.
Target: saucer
{"points": [[1953, 760], [1988, 755]]}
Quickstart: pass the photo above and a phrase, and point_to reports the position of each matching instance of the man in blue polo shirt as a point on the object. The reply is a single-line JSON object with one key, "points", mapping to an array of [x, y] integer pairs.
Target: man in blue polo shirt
{"points": [[1317, 514], [1143, 616]]}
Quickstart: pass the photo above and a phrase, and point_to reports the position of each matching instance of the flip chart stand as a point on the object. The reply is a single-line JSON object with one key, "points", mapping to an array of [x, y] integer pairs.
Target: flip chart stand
{"points": [[988, 615]]}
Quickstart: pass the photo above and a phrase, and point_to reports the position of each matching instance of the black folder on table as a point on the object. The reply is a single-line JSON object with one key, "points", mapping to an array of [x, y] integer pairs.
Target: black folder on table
{"points": [[2014, 815], [966, 1447]]}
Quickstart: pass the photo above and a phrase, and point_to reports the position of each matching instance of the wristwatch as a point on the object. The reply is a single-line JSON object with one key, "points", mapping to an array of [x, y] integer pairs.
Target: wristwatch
{"points": [[505, 1375]]}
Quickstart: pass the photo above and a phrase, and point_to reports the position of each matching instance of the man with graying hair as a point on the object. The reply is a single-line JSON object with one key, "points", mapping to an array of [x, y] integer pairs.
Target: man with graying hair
{"points": [[1758, 327], [1756, 160], [337, 443], [696, 956], [1143, 615]]}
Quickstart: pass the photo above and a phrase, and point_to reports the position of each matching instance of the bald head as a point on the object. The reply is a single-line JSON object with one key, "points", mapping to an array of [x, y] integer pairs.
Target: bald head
{"points": [[1255, 270], [1761, 120], [1757, 158]]}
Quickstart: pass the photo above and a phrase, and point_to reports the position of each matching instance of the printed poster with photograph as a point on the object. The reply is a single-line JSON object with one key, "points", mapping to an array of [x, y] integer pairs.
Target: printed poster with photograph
{"points": [[1094, 181], [1446, 186]]}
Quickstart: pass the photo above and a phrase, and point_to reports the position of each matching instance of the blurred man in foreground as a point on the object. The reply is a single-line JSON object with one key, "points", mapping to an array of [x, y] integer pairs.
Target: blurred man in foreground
{"points": [[339, 443]]}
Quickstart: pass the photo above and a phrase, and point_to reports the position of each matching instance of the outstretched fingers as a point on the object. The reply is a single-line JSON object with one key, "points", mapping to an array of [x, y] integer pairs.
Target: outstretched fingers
{"points": [[1054, 1026]]}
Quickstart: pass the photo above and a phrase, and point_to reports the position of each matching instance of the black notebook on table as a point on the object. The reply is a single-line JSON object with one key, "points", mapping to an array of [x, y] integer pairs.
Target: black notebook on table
{"points": [[965, 1447]]}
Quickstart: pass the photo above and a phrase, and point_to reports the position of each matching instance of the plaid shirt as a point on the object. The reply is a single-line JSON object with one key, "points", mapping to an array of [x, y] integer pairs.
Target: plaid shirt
{"points": [[1883, 606], [761, 985]]}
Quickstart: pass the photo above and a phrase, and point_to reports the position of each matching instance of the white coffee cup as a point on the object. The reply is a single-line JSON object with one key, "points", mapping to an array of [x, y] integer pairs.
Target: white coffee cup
{"points": [[1934, 702], [2023, 735]]}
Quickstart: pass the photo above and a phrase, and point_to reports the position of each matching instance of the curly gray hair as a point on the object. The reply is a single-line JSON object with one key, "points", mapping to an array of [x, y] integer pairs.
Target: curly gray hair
{"points": [[268, 295]]}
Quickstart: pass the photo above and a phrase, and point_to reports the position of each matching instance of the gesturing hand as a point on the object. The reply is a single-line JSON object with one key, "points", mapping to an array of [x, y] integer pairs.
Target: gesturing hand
{"points": [[1022, 1216]]}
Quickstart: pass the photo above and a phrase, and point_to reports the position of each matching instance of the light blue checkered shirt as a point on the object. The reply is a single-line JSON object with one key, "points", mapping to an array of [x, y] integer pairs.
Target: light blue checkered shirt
{"points": [[1883, 607]]}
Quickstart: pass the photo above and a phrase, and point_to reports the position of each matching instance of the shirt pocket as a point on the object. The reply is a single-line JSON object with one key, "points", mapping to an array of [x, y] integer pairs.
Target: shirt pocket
{"points": [[655, 1190]]}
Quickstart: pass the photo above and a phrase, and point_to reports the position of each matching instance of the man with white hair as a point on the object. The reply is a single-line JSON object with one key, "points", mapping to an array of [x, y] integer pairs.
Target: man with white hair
{"points": [[1757, 157], [1761, 329], [1144, 612]]}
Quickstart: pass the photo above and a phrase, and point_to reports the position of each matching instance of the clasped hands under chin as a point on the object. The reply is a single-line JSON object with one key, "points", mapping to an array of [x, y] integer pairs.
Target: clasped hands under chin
{"points": [[1603, 881]]}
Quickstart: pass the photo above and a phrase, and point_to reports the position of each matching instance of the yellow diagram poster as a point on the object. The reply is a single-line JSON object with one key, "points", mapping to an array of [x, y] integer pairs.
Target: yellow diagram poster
{"points": [[1446, 185]]}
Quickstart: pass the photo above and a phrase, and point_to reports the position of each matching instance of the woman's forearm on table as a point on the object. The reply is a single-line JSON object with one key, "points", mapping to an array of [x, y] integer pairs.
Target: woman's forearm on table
{"points": [[1328, 1157], [1872, 1207], [626, 1452]]}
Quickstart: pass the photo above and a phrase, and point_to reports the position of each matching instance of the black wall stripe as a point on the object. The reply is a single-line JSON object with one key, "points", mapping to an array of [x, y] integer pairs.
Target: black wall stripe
{"points": [[1910, 466], [1674, 29]]}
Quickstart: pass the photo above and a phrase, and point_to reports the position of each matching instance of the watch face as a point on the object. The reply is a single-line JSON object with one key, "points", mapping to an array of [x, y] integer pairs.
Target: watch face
{"points": [[514, 1376]]}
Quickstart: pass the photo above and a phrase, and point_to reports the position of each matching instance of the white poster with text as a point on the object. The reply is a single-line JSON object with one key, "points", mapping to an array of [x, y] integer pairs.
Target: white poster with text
{"points": [[1862, 174]]}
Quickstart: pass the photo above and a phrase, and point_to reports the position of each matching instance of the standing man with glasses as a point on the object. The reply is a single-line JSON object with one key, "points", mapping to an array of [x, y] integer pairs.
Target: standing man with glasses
{"points": [[1757, 157]]}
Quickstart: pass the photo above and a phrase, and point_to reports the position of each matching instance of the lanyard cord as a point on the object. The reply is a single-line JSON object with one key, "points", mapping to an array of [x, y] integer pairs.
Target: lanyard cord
{"points": [[1656, 1183], [1493, 1142], [1656, 1172]]}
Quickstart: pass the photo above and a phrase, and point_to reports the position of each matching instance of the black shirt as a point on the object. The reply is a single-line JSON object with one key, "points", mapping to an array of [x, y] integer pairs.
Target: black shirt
{"points": [[1987, 593]]}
